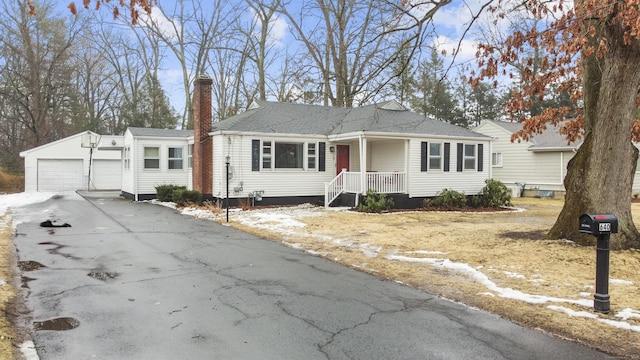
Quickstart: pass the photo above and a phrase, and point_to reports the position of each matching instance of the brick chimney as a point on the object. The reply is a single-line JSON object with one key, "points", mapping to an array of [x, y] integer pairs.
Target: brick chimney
{"points": [[203, 143]]}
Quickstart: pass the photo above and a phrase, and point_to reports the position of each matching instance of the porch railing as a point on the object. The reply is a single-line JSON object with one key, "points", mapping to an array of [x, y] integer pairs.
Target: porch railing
{"points": [[351, 182]]}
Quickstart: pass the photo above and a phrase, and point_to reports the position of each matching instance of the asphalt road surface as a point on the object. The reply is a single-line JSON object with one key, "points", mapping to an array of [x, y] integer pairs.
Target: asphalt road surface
{"points": [[139, 281]]}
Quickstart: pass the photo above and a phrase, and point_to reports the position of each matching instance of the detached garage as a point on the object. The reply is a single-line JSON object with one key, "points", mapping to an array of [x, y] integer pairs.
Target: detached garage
{"points": [[63, 165]]}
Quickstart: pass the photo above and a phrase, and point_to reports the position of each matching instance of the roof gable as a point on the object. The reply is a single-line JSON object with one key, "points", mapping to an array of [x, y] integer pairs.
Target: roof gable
{"points": [[54, 143]]}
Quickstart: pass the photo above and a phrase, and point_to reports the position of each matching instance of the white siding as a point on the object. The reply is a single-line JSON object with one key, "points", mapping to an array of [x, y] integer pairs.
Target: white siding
{"points": [[542, 170], [274, 183], [385, 155], [148, 179], [430, 183], [140, 181]]}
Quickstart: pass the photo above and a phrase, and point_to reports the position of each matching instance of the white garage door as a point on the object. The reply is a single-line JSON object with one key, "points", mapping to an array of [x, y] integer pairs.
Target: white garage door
{"points": [[60, 175], [106, 175]]}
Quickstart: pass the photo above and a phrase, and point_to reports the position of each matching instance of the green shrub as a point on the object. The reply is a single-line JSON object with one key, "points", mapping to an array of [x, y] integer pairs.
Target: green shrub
{"points": [[183, 197], [493, 194], [165, 192], [448, 198], [375, 203]]}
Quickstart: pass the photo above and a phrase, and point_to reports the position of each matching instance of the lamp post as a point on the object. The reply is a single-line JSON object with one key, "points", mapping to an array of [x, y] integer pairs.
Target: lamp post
{"points": [[227, 159]]}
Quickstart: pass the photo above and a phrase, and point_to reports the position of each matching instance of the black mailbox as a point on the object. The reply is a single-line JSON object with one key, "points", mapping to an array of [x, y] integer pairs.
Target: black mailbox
{"points": [[598, 224]]}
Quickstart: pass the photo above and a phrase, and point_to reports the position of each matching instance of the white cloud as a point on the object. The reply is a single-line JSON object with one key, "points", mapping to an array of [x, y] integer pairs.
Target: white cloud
{"points": [[278, 29], [170, 28]]}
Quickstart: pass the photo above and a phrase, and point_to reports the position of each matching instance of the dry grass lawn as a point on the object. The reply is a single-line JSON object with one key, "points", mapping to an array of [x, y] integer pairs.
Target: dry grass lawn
{"points": [[7, 290], [507, 247]]}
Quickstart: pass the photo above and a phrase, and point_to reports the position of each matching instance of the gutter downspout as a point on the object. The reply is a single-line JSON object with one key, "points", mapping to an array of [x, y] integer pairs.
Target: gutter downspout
{"points": [[134, 166]]}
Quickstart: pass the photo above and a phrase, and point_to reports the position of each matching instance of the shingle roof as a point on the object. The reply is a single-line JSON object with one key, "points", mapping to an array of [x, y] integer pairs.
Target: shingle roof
{"points": [[137, 131], [289, 118], [549, 139]]}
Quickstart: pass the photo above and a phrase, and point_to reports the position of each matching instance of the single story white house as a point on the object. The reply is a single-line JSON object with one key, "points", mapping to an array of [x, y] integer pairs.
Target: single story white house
{"points": [[67, 165], [539, 164], [284, 153], [277, 153]]}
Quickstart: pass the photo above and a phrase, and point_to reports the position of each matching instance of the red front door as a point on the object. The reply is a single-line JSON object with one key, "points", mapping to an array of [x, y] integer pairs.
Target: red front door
{"points": [[342, 159]]}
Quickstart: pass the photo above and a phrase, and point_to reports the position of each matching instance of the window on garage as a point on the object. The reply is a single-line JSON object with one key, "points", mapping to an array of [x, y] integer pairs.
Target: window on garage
{"points": [[152, 157]]}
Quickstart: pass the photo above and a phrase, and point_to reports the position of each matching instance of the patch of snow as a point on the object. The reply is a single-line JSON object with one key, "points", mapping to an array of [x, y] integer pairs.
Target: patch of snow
{"points": [[514, 275], [425, 252], [28, 350], [8, 201], [370, 250], [620, 282], [585, 294], [618, 324], [484, 280], [628, 313]]}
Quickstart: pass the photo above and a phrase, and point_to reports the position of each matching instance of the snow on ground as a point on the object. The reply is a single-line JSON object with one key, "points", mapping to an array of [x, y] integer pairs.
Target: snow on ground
{"points": [[8, 201], [286, 221]]}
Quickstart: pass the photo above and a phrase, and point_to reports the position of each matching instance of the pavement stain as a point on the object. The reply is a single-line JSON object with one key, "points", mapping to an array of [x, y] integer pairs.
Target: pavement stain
{"points": [[56, 250], [30, 265], [58, 324]]}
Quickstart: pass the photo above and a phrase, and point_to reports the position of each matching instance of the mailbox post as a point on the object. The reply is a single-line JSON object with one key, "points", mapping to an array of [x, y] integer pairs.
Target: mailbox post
{"points": [[601, 226]]}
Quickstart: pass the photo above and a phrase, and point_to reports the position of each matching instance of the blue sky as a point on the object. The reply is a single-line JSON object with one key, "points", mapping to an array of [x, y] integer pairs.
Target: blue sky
{"points": [[450, 22]]}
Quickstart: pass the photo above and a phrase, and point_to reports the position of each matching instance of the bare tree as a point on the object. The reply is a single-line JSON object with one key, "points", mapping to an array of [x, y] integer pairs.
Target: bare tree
{"points": [[352, 42], [36, 74], [190, 31]]}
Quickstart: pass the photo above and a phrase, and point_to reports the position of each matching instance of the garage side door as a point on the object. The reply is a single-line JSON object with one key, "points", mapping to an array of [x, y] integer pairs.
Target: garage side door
{"points": [[106, 175], [60, 175]]}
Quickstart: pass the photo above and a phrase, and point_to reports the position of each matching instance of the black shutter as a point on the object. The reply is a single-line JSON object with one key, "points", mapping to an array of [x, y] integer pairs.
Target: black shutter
{"points": [[459, 157], [321, 156], [255, 155], [423, 156], [447, 156], [480, 157]]}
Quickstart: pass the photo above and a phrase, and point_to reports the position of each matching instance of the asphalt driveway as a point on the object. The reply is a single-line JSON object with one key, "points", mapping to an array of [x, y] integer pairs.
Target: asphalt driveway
{"points": [[139, 281]]}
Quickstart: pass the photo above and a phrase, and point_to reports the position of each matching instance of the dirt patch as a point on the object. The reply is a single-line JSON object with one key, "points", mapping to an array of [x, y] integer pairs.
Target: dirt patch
{"points": [[507, 249]]}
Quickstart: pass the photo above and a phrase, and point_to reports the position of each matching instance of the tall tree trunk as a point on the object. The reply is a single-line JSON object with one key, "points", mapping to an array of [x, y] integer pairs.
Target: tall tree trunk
{"points": [[600, 176]]}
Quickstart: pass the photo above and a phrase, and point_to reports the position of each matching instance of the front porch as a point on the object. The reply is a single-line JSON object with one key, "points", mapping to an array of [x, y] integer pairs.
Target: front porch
{"points": [[359, 183]]}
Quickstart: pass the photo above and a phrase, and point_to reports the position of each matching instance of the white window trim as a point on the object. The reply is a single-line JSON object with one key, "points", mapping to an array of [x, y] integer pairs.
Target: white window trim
{"points": [[308, 156], [144, 158], [430, 156], [127, 158], [465, 157], [169, 159], [305, 156], [497, 163]]}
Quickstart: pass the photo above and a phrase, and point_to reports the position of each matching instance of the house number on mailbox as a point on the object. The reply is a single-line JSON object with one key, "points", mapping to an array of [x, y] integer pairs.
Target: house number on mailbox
{"points": [[604, 227]]}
